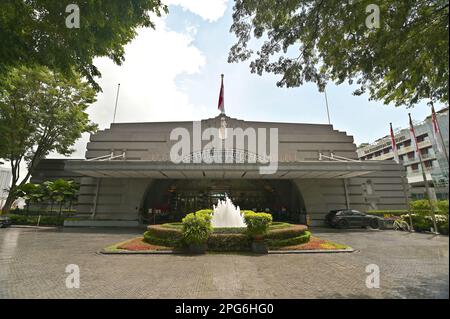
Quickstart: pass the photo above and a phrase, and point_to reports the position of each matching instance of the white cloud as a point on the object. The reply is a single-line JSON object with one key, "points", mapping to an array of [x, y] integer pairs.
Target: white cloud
{"points": [[153, 61], [148, 88], [210, 10]]}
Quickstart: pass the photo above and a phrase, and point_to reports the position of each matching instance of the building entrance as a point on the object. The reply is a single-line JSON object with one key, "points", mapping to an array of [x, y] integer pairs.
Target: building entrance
{"points": [[172, 199]]}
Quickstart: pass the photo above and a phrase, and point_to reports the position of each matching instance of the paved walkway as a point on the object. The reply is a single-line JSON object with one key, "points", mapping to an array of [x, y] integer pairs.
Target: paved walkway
{"points": [[33, 262]]}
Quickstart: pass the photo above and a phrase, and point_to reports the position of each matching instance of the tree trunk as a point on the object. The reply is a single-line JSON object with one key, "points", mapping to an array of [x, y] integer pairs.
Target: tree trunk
{"points": [[8, 203]]}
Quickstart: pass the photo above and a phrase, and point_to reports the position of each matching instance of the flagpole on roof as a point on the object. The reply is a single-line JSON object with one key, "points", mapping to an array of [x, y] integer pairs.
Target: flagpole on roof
{"points": [[326, 103], [221, 105], [117, 99]]}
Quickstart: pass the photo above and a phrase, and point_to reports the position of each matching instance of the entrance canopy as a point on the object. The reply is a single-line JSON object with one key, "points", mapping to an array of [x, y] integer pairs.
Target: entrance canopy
{"points": [[152, 169]]}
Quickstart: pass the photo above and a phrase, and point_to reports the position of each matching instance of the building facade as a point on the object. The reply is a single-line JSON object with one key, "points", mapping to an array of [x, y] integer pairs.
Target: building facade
{"points": [[434, 159], [128, 173]]}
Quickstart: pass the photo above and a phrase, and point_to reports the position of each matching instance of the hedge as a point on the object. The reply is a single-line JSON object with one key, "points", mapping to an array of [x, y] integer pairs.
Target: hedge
{"points": [[302, 239], [277, 225], [229, 230], [33, 220], [163, 236], [228, 242], [285, 233], [170, 235], [392, 212]]}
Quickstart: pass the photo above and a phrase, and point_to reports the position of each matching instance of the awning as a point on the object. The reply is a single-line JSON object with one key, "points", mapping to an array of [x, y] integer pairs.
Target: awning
{"points": [[151, 169]]}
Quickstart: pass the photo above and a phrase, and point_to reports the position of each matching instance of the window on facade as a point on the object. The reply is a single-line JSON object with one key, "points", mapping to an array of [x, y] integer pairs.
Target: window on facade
{"points": [[407, 143], [421, 138], [386, 150], [369, 157], [410, 155], [415, 167], [377, 153], [424, 151], [428, 164]]}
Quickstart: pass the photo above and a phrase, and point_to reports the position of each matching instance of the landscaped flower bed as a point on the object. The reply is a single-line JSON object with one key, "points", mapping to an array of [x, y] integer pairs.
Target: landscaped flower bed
{"points": [[316, 243], [229, 244], [136, 244], [196, 235], [229, 239]]}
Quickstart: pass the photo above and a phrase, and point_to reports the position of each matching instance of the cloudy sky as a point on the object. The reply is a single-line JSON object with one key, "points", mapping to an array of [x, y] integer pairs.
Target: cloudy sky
{"points": [[173, 73]]}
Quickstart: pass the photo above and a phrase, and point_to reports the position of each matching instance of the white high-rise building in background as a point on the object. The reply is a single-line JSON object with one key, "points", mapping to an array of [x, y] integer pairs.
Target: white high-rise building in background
{"points": [[435, 161], [5, 180]]}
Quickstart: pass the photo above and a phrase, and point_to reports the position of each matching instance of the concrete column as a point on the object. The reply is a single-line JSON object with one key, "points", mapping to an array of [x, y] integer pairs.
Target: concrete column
{"points": [[347, 198], [97, 189]]}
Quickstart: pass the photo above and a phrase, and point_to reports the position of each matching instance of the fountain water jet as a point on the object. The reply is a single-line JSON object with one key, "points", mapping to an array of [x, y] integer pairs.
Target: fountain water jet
{"points": [[227, 215]]}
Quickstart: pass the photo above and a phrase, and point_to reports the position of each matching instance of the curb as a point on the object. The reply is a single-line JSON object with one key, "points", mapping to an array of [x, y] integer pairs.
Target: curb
{"points": [[270, 252], [140, 252], [312, 251], [35, 227]]}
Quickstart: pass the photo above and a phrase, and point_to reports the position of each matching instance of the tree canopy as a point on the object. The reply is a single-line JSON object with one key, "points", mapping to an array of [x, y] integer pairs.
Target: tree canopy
{"points": [[41, 111], [35, 33], [403, 61]]}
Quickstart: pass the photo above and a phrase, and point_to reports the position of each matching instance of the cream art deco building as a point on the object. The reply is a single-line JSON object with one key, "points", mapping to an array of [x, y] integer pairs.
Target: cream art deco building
{"points": [[128, 174]]}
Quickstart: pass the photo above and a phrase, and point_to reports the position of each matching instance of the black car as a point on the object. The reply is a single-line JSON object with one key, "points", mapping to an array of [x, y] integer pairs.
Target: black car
{"points": [[4, 221], [346, 218]]}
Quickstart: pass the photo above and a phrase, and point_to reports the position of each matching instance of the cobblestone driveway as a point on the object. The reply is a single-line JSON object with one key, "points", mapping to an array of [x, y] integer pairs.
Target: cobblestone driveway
{"points": [[33, 261]]}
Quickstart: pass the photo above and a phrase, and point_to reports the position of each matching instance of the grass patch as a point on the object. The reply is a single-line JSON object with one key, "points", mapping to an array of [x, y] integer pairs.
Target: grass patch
{"points": [[279, 225], [177, 225]]}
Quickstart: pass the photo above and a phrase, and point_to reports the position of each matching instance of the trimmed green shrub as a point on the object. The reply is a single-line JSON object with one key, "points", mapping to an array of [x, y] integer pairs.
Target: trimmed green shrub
{"points": [[286, 232], [278, 225], [443, 207], [196, 228], [228, 242], [421, 206], [204, 211], [163, 236], [33, 220], [422, 223], [443, 228], [257, 223], [229, 230], [246, 211], [388, 212], [178, 226], [302, 239]]}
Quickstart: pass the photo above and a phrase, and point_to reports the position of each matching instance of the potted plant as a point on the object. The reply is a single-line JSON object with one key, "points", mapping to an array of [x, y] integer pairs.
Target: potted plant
{"points": [[257, 227], [196, 230]]}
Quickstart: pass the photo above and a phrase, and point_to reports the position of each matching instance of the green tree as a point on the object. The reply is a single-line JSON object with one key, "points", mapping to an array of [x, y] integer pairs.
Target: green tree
{"points": [[61, 191], [30, 192], [40, 112], [403, 61], [35, 32]]}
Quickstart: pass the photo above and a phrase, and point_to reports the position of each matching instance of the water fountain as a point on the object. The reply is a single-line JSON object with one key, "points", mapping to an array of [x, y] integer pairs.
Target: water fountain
{"points": [[227, 215]]}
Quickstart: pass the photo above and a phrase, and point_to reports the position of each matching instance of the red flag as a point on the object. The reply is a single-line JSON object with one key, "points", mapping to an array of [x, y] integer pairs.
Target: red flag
{"points": [[413, 135], [436, 129], [394, 145], [221, 104]]}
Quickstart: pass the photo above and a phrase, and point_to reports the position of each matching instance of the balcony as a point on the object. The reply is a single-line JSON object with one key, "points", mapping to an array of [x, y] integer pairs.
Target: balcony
{"points": [[425, 157]]}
